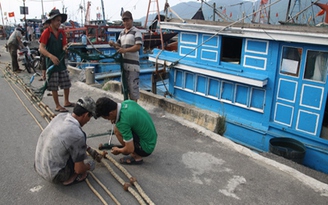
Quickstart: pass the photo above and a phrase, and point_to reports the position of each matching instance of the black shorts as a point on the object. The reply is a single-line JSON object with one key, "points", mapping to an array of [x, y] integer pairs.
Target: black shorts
{"points": [[65, 173], [137, 147]]}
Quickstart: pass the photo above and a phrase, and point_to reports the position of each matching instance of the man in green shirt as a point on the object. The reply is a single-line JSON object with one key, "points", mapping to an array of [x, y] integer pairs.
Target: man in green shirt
{"points": [[134, 128]]}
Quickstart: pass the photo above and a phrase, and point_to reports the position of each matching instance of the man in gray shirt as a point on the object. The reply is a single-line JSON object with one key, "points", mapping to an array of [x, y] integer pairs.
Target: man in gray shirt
{"points": [[14, 43], [128, 44], [60, 155]]}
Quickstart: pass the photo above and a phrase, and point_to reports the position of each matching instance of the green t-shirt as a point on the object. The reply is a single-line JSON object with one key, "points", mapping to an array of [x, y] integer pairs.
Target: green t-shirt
{"points": [[134, 118]]}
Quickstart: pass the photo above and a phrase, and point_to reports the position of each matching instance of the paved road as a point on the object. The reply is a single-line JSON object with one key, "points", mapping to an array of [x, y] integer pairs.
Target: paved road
{"points": [[189, 166]]}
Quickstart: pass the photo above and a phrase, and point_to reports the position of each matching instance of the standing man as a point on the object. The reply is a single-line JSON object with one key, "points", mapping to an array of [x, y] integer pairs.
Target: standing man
{"points": [[30, 31], [53, 44], [15, 43], [128, 44], [134, 128], [61, 149]]}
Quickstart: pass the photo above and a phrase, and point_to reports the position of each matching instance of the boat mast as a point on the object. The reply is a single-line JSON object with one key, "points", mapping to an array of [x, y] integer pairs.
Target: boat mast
{"points": [[103, 11], [288, 8], [269, 13], [222, 16], [1, 15]]}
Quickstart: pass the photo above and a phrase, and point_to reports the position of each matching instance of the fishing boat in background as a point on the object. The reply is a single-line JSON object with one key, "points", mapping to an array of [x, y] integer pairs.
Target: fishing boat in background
{"points": [[267, 81], [98, 33], [95, 52]]}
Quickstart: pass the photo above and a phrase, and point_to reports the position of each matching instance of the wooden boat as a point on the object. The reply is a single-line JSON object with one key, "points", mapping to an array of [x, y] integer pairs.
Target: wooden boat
{"points": [[268, 81]]}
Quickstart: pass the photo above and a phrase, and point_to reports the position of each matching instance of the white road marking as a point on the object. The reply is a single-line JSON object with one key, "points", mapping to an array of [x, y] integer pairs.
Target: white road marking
{"points": [[200, 163], [232, 185], [36, 188]]}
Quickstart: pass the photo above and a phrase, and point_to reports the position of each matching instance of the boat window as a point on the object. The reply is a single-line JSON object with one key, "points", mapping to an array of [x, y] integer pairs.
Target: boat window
{"points": [[231, 49], [291, 59], [316, 66]]}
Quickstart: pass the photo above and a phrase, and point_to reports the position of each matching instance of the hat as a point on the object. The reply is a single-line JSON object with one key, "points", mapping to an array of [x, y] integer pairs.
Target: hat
{"points": [[54, 13], [127, 15], [19, 29], [89, 104], [44, 21]]}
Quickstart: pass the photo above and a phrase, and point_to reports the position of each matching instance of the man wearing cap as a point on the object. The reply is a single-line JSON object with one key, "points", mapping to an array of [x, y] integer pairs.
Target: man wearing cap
{"points": [[15, 43], [128, 44], [134, 128], [60, 155], [53, 44]]}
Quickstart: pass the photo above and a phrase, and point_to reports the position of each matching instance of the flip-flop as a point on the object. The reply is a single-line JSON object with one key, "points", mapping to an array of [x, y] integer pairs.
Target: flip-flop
{"points": [[129, 160], [61, 110], [78, 179], [70, 105]]}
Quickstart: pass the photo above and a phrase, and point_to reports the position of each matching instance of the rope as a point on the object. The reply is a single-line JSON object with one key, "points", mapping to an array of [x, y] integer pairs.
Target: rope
{"points": [[46, 112], [95, 192], [105, 189], [133, 180], [39, 110], [125, 185], [93, 46], [26, 108]]}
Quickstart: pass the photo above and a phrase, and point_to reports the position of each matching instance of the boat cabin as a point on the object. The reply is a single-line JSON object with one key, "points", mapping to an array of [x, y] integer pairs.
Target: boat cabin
{"points": [[267, 80]]}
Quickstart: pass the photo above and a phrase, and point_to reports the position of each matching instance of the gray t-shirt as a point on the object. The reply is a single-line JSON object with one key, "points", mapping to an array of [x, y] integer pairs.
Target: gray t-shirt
{"points": [[127, 40], [61, 139], [13, 38]]}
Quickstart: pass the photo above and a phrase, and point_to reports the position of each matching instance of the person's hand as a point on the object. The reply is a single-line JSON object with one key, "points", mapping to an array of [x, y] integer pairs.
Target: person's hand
{"points": [[121, 50], [115, 151], [111, 43], [65, 49], [92, 164], [54, 59]]}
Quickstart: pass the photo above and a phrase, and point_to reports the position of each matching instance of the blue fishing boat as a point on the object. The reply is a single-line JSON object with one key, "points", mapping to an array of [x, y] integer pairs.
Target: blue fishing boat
{"points": [[95, 52], [268, 81]]}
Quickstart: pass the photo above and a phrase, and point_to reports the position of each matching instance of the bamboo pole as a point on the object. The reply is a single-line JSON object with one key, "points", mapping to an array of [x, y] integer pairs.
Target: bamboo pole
{"points": [[126, 186], [133, 180], [106, 190], [95, 192]]}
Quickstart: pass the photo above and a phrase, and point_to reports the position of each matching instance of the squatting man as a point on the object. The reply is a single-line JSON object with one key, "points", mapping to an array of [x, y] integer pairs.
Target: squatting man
{"points": [[134, 128]]}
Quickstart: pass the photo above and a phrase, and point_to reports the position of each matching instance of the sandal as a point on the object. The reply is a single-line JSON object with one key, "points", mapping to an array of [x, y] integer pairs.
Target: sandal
{"points": [[61, 110], [79, 178], [70, 105], [130, 161]]}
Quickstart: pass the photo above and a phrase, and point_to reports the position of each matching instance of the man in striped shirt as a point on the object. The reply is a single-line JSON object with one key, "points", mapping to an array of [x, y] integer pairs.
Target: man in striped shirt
{"points": [[128, 44]]}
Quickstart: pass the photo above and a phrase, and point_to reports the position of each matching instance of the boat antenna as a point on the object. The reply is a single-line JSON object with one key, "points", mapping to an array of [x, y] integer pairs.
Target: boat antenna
{"points": [[296, 15], [103, 11], [224, 17]]}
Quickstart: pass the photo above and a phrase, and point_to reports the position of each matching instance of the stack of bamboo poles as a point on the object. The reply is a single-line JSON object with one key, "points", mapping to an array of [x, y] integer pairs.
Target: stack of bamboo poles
{"points": [[44, 110]]}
